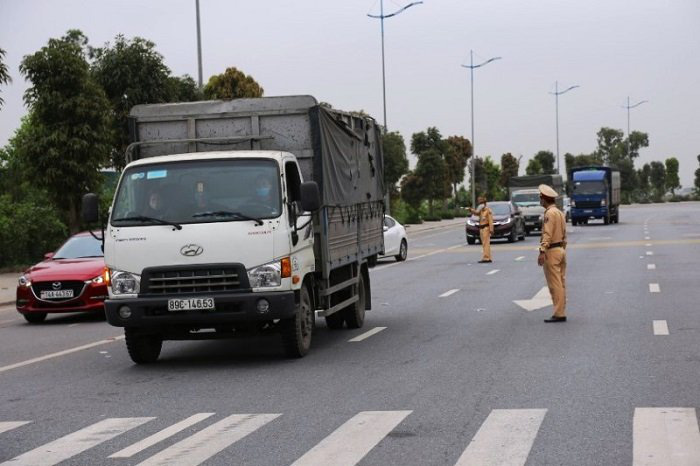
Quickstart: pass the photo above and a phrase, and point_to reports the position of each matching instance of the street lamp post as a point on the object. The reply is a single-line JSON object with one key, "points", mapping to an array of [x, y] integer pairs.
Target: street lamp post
{"points": [[628, 107], [381, 18], [199, 47], [556, 94], [472, 67]]}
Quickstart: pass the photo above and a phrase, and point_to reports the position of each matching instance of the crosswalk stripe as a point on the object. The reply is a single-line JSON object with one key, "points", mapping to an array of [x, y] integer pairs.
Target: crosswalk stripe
{"points": [[664, 436], [349, 443], [77, 442], [168, 432], [5, 426], [505, 438], [207, 442]]}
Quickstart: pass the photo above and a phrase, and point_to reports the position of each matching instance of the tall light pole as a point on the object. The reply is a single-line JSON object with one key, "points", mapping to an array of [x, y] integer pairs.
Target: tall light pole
{"points": [[556, 94], [472, 67], [381, 18], [629, 107], [199, 47]]}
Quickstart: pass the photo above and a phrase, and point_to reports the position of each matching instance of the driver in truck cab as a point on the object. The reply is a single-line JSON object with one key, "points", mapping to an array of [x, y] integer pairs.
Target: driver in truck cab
{"points": [[263, 194]]}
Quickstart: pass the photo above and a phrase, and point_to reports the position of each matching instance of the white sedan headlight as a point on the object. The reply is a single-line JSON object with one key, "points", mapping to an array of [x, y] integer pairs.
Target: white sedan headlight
{"points": [[125, 282], [266, 275]]}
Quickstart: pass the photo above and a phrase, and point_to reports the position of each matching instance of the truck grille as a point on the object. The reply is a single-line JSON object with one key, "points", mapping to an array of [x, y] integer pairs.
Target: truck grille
{"points": [[532, 218], [173, 280], [587, 204]]}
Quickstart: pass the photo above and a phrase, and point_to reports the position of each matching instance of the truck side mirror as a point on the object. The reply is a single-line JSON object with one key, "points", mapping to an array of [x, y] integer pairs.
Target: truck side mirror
{"points": [[310, 196], [90, 205]]}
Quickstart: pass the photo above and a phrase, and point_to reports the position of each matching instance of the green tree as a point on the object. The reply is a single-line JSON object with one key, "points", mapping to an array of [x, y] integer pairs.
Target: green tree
{"points": [[232, 84], [459, 150], [510, 166], [412, 191], [431, 169], [4, 74], [492, 172], [534, 167], [131, 72], [395, 161], [546, 160], [657, 177], [643, 183], [69, 127], [673, 182], [183, 89], [480, 181]]}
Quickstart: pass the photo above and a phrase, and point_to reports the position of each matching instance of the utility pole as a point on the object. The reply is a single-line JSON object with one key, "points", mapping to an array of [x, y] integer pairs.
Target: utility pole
{"points": [[556, 94], [628, 107], [199, 47]]}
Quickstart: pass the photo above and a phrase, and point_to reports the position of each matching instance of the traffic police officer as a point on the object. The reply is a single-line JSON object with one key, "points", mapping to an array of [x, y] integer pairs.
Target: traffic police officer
{"points": [[485, 228], [553, 252]]}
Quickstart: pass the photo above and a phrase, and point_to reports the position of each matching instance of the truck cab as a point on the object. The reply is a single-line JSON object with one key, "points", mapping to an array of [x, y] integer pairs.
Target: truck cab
{"points": [[528, 201], [595, 194]]}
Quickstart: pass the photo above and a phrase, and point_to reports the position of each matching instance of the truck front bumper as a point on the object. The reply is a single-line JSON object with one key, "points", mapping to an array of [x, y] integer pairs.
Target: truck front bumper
{"points": [[230, 308], [596, 212]]}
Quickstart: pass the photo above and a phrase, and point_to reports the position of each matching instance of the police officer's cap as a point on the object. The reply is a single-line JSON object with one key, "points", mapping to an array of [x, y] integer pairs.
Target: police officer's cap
{"points": [[547, 191]]}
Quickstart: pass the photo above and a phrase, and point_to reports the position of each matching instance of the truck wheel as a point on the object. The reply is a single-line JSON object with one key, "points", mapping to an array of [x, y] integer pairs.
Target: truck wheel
{"points": [[355, 314], [471, 240], [143, 348], [35, 317], [335, 321], [606, 220], [298, 331], [403, 252], [574, 222]]}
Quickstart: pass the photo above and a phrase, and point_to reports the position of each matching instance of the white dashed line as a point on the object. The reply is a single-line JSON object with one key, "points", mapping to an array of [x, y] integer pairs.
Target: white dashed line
{"points": [[647, 238], [518, 259], [648, 245], [492, 272], [660, 327], [654, 288], [367, 334], [650, 253], [448, 293], [651, 266]]}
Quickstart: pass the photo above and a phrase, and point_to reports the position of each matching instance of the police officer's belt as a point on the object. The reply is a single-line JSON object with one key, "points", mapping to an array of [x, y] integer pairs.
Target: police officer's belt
{"points": [[556, 245], [483, 226]]}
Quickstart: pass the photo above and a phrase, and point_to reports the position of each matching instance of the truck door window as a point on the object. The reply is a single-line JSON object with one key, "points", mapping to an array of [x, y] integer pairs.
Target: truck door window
{"points": [[293, 188]]}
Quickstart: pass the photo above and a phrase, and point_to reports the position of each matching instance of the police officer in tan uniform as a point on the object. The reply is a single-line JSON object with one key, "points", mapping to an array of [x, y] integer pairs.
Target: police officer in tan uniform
{"points": [[485, 228], [552, 256]]}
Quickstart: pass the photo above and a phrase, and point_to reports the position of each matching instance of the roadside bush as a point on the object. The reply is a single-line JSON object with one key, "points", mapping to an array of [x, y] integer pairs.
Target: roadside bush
{"points": [[447, 215], [461, 213], [432, 218], [28, 229]]}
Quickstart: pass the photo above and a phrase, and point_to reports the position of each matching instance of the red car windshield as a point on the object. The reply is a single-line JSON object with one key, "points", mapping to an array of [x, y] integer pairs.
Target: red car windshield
{"points": [[78, 247]]}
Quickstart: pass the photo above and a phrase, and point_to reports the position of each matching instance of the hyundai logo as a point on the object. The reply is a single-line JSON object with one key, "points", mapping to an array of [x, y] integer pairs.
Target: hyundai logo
{"points": [[56, 285], [191, 250]]}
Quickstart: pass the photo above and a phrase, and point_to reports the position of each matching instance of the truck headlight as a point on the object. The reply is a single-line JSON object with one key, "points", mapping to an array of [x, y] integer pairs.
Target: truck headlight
{"points": [[573, 203], [266, 275], [125, 282], [603, 203], [24, 281]]}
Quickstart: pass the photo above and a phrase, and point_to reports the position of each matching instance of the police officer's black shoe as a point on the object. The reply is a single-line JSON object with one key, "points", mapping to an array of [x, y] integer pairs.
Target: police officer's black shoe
{"points": [[555, 319], [485, 262]]}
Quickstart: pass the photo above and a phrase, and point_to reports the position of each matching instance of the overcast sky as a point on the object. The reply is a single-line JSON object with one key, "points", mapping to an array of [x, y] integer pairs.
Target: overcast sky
{"points": [[644, 49]]}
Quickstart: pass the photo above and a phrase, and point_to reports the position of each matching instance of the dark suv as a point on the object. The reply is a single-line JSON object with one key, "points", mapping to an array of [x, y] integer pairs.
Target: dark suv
{"points": [[507, 223]]}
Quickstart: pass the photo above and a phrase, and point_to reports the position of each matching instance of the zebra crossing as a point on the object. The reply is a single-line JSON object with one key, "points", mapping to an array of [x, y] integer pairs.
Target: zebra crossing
{"points": [[661, 436]]}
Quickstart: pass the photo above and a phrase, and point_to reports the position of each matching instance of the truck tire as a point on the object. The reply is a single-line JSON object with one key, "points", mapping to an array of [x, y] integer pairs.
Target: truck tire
{"points": [[355, 314], [335, 321], [143, 348], [297, 332], [606, 219], [35, 317]]}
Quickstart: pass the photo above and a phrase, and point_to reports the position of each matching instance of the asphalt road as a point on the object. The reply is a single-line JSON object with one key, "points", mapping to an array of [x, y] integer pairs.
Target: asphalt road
{"points": [[453, 371]]}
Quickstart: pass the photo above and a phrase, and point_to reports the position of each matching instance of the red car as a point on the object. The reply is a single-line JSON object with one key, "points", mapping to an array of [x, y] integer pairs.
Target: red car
{"points": [[72, 279]]}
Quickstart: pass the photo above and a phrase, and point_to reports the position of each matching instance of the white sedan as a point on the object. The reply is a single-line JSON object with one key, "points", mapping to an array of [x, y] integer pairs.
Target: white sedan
{"points": [[395, 242]]}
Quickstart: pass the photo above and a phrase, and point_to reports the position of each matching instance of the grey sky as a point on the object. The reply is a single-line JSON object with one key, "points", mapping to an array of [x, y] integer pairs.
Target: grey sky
{"points": [[647, 49]]}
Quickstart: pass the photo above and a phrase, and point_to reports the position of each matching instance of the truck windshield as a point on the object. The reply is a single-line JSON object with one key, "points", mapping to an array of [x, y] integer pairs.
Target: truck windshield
{"points": [[198, 191], [526, 199], [589, 187]]}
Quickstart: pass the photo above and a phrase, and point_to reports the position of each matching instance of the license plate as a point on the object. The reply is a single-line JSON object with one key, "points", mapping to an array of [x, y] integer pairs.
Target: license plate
{"points": [[51, 294], [191, 304], [587, 211]]}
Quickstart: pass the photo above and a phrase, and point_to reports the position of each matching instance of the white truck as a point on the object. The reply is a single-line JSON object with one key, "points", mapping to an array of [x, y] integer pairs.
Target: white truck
{"points": [[242, 217]]}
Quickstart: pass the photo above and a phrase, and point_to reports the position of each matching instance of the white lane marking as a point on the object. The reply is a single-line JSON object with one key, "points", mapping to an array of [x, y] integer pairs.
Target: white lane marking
{"points": [[61, 353], [654, 288], [663, 436], [209, 441], [650, 253], [540, 300], [5, 426], [349, 443], [647, 238], [77, 442], [367, 334], [382, 267], [448, 293], [660, 327], [493, 271], [168, 432], [505, 438], [648, 245], [519, 258], [455, 246], [651, 266]]}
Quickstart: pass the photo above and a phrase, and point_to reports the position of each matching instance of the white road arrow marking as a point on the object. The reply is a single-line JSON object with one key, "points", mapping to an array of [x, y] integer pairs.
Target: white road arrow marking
{"points": [[540, 300]]}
